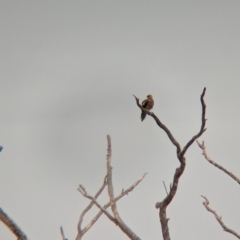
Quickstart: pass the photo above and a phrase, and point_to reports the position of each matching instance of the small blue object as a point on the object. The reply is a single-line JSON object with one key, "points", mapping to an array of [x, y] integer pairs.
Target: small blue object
{"points": [[1, 148]]}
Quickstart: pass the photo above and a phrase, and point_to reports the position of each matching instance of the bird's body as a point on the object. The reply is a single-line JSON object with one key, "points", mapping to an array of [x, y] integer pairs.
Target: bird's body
{"points": [[147, 104]]}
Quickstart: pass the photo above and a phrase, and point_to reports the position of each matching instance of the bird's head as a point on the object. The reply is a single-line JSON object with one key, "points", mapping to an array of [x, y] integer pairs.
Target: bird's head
{"points": [[149, 96]]}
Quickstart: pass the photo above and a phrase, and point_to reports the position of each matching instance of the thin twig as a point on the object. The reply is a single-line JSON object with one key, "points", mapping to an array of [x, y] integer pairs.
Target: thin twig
{"points": [[202, 146], [165, 187], [12, 226], [219, 219], [62, 233]]}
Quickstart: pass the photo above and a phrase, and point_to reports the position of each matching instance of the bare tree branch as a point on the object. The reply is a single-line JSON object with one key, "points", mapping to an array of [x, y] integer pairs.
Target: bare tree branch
{"points": [[123, 193], [12, 226], [62, 233], [91, 204], [121, 224], [165, 188], [219, 219], [180, 155], [112, 202], [80, 231], [202, 129], [202, 146], [85, 194], [161, 125], [206, 203], [163, 205]]}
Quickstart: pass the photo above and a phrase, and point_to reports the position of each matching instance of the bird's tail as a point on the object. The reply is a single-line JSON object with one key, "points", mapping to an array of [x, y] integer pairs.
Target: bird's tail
{"points": [[143, 115]]}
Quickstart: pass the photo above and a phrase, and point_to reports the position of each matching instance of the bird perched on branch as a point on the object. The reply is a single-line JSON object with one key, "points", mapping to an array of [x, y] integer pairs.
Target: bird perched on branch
{"points": [[148, 104]]}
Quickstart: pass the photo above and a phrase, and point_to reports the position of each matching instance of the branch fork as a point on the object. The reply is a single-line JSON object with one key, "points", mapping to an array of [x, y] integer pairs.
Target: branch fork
{"points": [[115, 218], [162, 206]]}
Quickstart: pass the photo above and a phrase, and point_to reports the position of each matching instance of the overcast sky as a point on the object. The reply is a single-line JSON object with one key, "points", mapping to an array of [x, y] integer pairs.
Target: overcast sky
{"points": [[68, 71]]}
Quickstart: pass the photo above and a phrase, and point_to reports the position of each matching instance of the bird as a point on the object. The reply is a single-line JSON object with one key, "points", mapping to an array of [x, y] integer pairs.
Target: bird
{"points": [[147, 104]]}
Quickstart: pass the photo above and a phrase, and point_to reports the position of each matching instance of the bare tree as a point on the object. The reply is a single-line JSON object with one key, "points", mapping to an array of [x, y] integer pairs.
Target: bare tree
{"points": [[162, 206], [114, 215]]}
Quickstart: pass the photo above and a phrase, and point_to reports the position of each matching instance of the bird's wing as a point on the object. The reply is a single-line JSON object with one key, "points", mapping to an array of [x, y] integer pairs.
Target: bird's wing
{"points": [[150, 104], [145, 103]]}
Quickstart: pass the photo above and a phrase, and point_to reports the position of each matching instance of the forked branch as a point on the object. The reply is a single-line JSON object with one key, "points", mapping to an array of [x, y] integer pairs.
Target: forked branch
{"points": [[162, 206], [115, 218], [85, 194], [122, 194], [80, 231]]}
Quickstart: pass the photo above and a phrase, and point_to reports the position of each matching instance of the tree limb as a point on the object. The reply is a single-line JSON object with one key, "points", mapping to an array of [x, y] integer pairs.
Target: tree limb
{"points": [[219, 219], [120, 222], [123, 193], [12, 226], [202, 129], [160, 124], [113, 200], [80, 231], [202, 146], [85, 194], [180, 155]]}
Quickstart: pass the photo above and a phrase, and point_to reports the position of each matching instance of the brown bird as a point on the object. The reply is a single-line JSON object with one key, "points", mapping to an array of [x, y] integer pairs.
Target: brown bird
{"points": [[148, 104]]}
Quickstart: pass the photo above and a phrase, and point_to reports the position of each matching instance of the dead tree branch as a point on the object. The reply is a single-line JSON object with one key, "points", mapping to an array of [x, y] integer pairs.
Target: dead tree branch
{"points": [[85, 194], [161, 125], [202, 129], [180, 155], [83, 191], [91, 223], [120, 222], [12, 226], [80, 231], [202, 146], [62, 233], [206, 203], [219, 219]]}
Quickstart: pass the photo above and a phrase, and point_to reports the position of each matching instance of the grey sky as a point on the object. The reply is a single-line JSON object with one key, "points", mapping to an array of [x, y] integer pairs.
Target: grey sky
{"points": [[68, 72]]}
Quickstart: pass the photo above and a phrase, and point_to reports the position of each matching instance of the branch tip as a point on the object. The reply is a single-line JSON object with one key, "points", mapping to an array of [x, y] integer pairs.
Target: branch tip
{"points": [[219, 219]]}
